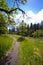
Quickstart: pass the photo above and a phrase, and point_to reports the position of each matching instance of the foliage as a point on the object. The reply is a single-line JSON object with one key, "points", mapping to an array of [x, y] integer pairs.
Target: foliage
{"points": [[34, 30], [3, 25], [22, 28], [10, 11], [28, 29], [3, 4], [30, 52], [19, 1], [5, 45], [38, 33]]}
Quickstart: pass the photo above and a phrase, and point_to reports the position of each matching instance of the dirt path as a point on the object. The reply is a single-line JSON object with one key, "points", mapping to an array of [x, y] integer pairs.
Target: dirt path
{"points": [[12, 58]]}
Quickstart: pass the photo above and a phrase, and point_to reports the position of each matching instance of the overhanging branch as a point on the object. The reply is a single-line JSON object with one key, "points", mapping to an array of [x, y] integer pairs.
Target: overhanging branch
{"points": [[6, 11], [9, 11]]}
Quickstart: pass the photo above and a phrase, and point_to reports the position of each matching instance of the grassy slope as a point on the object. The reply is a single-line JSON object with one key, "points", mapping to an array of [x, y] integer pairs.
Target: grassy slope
{"points": [[31, 51], [5, 44]]}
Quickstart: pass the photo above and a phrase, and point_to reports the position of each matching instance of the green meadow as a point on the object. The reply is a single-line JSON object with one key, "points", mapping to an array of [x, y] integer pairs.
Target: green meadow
{"points": [[6, 43], [30, 50]]}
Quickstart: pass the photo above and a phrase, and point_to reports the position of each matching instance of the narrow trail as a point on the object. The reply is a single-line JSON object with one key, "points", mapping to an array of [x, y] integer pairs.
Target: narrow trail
{"points": [[12, 58]]}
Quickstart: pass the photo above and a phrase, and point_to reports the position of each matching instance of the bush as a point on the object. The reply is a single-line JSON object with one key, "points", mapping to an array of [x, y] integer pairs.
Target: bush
{"points": [[38, 33]]}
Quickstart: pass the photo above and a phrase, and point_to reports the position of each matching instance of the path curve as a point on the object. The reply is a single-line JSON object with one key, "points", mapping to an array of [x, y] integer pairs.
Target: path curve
{"points": [[12, 58]]}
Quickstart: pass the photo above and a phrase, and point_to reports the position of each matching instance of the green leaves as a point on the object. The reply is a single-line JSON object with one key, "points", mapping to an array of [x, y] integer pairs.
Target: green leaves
{"points": [[3, 25], [23, 1], [22, 28], [38, 33], [3, 4], [12, 12]]}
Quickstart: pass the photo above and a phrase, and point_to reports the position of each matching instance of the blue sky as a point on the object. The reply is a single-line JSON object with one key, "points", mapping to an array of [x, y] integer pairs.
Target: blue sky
{"points": [[34, 5], [33, 9]]}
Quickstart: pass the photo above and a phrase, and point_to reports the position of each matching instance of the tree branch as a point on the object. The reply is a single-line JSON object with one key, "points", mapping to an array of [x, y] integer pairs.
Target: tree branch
{"points": [[8, 12]]}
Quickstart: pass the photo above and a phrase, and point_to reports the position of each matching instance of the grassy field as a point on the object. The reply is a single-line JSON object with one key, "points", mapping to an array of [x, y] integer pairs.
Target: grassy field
{"points": [[6, 43], [30, 51]]}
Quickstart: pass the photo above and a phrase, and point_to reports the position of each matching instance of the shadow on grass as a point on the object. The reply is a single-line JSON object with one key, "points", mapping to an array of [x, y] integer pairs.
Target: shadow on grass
{"points": [[21, 39]]}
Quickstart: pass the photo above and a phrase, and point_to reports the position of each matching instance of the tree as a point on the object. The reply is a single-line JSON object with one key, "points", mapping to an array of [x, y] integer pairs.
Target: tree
{"points": [[4, 5], [31, 30], [38, 33], [4, 8], [22, 28], [3, 25], [12, 30], [35, 27], [38, 26], [28, 29], [41, 26]]}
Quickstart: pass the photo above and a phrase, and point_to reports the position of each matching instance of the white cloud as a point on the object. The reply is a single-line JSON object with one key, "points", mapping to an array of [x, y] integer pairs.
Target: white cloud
{"points": [[31, 17]]}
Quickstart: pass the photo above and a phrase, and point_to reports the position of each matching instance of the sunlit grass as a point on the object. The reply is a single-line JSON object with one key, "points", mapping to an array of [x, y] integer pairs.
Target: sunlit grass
{"points": [[5, 44], [31, 51]]}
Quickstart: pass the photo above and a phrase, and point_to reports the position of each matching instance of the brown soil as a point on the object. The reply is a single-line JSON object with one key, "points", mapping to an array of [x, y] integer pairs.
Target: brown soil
{"points": [[12, 58]]}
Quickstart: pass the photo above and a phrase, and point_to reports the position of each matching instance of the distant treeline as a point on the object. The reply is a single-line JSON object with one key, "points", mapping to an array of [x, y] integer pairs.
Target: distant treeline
{"points": [[34, 30]]}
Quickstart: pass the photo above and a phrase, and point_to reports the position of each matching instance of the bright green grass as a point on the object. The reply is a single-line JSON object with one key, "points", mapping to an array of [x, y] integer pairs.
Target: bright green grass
{"points": [[6, 43], [31, 51]]}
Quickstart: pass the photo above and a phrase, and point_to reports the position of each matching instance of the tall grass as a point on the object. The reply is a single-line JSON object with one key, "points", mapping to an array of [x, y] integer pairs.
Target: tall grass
{"points": [[5, 44], [31, 51]]}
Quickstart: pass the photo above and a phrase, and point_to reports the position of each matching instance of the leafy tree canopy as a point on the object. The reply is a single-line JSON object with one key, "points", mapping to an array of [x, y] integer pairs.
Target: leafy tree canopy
{"points": [[4, 5]]}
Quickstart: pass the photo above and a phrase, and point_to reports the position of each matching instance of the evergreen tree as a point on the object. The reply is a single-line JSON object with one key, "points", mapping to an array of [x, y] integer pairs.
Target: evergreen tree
{"points": [[28, 29], [41, 26], [31, 30], [38, 26], [35, 27], [22, 28]]}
